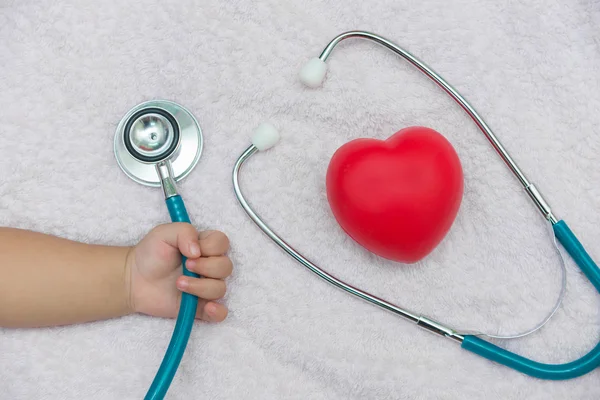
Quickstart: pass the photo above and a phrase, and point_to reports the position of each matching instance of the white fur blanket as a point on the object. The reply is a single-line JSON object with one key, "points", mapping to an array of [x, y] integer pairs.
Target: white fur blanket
{"points": [[69, 70]]}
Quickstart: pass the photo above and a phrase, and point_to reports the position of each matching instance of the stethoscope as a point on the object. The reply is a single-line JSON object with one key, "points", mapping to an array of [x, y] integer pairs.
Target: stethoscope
{"points": [[158, 143], [267, 136]]}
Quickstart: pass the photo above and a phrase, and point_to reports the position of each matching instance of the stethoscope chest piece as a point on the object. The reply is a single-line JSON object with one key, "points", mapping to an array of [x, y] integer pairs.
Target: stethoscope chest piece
{"points": [[156, 131], [156, 144]]}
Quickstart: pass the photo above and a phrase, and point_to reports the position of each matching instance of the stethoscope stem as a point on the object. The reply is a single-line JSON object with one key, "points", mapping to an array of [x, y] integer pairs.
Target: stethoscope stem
{"points": [[532, 191], [164, 169], [424, 322]]}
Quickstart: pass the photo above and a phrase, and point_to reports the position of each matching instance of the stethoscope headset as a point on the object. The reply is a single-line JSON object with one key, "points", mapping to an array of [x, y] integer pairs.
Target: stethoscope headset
{"points": [[266, 136]]}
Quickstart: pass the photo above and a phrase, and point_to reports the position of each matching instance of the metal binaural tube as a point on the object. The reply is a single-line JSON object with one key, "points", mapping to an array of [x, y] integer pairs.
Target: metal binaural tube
{"points": [[534, 194], [423, 322]]}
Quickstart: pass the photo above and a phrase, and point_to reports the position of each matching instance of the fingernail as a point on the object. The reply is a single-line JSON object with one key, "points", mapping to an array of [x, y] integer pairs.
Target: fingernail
{"points": [[211, 309], [195, 249], [190, 264], [183, 284], [205, 234]]}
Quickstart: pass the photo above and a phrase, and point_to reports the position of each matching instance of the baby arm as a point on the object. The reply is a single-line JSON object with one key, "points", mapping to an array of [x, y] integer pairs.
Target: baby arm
{"points": [[47, 281]]}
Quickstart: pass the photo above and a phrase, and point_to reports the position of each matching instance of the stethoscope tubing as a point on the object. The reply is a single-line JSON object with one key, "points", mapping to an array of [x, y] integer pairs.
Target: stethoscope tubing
{"points": [[473, 343], [185, 318]]}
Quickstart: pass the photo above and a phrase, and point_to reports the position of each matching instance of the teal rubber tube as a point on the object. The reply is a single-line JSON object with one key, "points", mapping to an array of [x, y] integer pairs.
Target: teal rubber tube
{"points": [[570, 370], [185, 319], [575, 249]]}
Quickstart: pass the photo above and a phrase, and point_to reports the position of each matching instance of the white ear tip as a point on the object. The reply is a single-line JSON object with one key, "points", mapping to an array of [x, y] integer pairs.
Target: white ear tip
{"points": [[313, 73], [265, 136]]}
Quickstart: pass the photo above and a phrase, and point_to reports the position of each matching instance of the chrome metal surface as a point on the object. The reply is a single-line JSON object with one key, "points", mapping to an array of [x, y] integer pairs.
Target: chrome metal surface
{"points": [[423, 321], [151, 134], [183, 159], [165, 171], [541, 203], [439, 329], [481, 124]]}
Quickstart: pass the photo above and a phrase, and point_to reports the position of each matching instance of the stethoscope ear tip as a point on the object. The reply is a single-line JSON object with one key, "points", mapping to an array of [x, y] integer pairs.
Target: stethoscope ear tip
{"points": [[313, 73], [265, 136]]}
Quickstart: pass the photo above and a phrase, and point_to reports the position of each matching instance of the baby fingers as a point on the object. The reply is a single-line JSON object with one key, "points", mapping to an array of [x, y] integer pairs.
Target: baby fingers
{"points": [[211, 267], [213, 243], [204, 288], [211, 311]]}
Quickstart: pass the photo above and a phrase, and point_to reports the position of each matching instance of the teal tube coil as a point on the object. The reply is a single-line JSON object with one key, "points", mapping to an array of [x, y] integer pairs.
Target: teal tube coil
{"points": [[185, 319], [570, 370]]}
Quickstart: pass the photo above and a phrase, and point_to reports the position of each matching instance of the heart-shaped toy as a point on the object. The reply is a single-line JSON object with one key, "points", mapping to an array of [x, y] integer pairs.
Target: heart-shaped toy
{"points": [[398, 197]]}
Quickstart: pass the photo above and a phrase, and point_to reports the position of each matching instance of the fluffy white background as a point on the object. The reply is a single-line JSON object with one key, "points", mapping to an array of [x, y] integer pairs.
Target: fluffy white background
{"points": [[69, 70]]}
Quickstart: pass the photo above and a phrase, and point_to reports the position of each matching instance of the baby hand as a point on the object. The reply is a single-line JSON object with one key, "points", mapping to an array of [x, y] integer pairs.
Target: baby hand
{"points": [[155, 273]]}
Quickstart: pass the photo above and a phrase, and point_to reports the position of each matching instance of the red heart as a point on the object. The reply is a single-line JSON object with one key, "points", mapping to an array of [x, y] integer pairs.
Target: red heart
{"points": [[397, 198]]}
